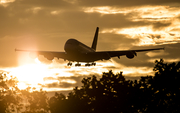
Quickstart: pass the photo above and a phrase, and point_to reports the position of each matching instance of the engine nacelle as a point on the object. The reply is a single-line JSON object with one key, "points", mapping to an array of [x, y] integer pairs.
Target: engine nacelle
{"points": [[49, 57], [33, 55], [130, 55]]}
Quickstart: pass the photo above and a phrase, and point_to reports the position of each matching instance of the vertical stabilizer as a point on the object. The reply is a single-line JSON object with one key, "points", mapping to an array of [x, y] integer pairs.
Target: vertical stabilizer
{"points": [[94, 44]]}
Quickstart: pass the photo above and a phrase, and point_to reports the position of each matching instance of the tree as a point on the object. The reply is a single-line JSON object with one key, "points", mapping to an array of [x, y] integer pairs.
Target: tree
{"points": [[37, 101], [13, 100], [9, 100], [165, 88], [113, 93]]}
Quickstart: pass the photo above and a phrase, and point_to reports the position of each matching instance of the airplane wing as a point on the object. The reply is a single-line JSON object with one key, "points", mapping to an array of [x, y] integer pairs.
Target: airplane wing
{"points": [[129, 53], [48, 54], [90, 57]]}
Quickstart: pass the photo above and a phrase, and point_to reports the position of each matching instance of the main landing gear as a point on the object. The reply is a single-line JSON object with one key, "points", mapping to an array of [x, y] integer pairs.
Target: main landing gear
{"points": [[92, 64], [78, 64], [69, 64]]}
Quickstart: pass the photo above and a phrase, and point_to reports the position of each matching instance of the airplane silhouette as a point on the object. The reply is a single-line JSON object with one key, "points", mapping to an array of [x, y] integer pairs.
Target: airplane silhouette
{"points": [[76, 51]]}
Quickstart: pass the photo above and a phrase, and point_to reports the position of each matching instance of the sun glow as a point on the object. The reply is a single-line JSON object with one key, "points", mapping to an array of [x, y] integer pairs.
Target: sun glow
{"points": [[35, 73], [6, 1], [30, 74], [55, 76]]}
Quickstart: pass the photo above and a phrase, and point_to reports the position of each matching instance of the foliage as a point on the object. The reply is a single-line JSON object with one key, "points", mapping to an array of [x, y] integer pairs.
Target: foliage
{"points": [[24, 101], [113, 93], [36, 101], [9, 100]]}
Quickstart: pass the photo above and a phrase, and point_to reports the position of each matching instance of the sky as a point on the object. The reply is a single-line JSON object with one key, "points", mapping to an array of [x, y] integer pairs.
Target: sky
{"points": [[48, 24]]}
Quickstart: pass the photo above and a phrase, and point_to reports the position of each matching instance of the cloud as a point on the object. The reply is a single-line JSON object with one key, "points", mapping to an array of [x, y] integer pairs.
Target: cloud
{"points": [[42, 3], [127, 3], [157, 53], [160, 25]]}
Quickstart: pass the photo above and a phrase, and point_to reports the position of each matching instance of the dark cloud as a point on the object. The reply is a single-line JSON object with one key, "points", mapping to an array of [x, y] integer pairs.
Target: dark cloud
{"points": [[140, 60], [42, 3], [110, 42], [173, 50], [152, 36], [63, 84], [127, 3], [160, 25]]}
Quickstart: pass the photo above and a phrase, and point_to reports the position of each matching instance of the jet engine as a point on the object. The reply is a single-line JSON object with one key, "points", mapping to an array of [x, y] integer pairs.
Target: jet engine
{"points": [[49, 57], [131, 55]]}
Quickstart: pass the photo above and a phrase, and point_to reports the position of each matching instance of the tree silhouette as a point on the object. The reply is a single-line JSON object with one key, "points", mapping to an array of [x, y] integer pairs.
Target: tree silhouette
{"points": [[37, 101], [113, 93], [164, 87], [13, 100], [9, 100]]}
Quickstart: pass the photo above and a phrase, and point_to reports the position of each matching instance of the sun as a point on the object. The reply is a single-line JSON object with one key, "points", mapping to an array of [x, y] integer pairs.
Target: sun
{"points": [[30, 74]]}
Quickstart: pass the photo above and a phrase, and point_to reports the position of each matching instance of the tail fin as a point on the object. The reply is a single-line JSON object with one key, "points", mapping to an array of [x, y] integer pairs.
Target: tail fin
{"points": [[94, 44]]}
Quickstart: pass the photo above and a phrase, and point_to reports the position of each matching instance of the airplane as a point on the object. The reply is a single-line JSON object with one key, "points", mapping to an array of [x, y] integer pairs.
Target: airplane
{"points": [[75, 51]]}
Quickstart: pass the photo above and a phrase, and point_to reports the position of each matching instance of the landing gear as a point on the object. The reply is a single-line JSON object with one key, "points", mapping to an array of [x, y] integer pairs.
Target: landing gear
{"points": [[93, 64], [77, 64], [69, 64], [87, 64]]}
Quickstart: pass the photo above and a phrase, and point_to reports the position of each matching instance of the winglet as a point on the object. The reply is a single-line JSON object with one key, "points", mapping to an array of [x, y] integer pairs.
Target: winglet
{"points": [[94, 44]]}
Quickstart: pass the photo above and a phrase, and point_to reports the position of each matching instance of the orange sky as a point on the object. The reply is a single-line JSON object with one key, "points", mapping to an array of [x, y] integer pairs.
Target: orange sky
{"points": [[46, 25]]}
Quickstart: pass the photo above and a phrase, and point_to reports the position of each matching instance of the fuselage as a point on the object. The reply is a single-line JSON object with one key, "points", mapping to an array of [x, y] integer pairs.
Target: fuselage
{"points": [[79, 52], [73, 46]]}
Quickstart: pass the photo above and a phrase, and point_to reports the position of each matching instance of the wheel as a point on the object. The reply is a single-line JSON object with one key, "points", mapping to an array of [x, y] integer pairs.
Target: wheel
{"points": [[87, 64], [69, 64], [77, 64], [93, 64]]}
